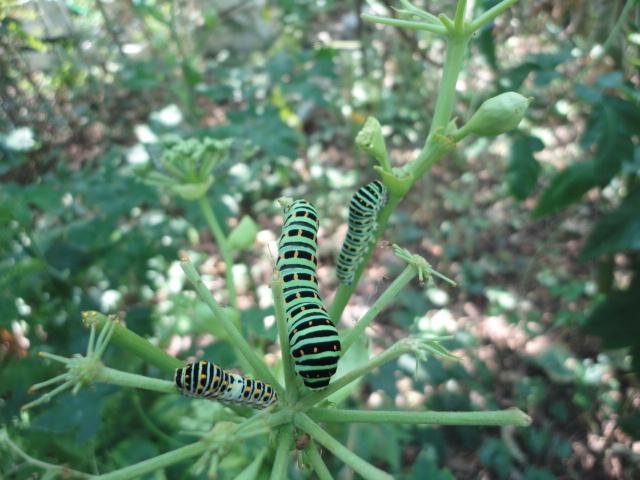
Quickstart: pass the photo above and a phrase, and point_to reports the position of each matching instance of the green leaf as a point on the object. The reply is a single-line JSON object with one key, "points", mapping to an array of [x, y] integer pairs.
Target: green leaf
{"points": [[523, 169], [614, 144], [566, 187], [618, 230], [615, 320]]}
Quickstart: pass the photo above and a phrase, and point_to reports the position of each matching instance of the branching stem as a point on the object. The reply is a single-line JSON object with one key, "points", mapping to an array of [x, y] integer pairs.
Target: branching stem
{"points": [[358, 464], [133, 343], [391, 353]]}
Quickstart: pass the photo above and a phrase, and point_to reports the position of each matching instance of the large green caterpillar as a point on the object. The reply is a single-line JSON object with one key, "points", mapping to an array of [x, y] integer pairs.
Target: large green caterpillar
{"points": [[208, 380], [313, 339], [363, 211]]}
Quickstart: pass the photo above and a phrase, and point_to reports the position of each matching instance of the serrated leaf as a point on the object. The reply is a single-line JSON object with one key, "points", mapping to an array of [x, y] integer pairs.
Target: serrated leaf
{"points": [[523, 169], [618, 230], [566, 187]]}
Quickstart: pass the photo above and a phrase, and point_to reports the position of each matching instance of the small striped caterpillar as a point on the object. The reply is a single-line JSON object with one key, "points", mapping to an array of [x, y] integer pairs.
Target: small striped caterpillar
{"points": [[363, 212], [208, 380]]}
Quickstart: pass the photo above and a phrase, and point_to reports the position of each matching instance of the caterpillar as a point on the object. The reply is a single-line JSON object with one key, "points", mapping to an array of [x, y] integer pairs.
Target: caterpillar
{"points": [[363, 211], [314, 343], [208, 380]]}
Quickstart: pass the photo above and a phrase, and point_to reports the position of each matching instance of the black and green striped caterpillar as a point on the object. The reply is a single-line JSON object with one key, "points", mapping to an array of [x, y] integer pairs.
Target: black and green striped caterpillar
{"points": [[313, 339], [208, 380], [363, 211]]}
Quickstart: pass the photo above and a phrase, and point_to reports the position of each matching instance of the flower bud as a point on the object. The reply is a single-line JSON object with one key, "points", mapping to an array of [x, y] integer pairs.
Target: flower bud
{"points": [[244, 234], [497, 115], [370, 140]]}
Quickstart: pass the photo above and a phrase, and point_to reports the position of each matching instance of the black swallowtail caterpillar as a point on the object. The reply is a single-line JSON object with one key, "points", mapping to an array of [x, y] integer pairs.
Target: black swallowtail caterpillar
{"points": [[313, 339], [363, 211], [208, 380]]}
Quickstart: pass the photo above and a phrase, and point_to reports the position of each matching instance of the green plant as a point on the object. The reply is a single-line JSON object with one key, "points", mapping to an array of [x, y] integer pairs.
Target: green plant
{"points": [[297, 409], [606, 99]]}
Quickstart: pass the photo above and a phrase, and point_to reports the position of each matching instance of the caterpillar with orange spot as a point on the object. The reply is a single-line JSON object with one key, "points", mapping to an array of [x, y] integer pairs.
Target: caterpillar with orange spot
{"points": [[208, 380], [313, 339]]}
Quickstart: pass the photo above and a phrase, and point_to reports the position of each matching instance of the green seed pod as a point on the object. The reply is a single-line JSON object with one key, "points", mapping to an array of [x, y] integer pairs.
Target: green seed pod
{"points": [[244, 235], [371, 140], [497, 115]]}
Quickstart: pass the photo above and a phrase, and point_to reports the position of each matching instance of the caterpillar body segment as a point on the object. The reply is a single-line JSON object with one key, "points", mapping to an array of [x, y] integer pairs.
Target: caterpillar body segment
{"points": [[313, 339], [363, 212], [208, 380]]}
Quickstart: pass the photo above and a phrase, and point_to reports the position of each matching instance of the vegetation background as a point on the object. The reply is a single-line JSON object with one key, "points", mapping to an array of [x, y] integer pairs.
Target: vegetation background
{"points": [[540, 228]]}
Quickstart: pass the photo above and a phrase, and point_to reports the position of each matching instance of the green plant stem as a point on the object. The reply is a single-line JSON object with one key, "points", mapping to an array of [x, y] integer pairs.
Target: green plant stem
{"points": [[387, 297], [63, 471], [291, 386], [132, 380], [156, 463], [261, 370], [411, 24], [456, 49], [436, 147], [281, 460], [489, 15], [318, 465], [461, 8], [129, 341], [510, 416], [223, 245], [389, 354], [359, 465]]}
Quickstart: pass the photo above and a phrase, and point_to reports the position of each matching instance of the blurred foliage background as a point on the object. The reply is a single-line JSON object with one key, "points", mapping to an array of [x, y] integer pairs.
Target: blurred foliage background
{"points": [[541, 228]]}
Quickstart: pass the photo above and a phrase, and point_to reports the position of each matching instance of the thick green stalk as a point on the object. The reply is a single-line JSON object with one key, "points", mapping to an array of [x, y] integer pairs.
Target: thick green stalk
{"points": [[389, 354], [389, 295], [223, 245], [281, 461], [156, 463], [132, 380], [511, 416], [318, 465], [290, 384], [359, 465], [456, 48], [261, 370], [129, 341]]}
